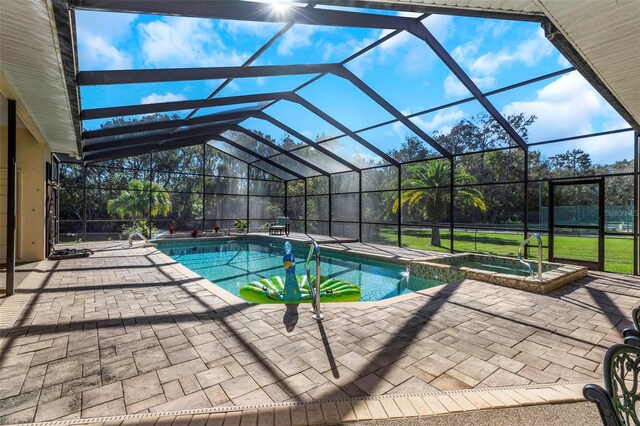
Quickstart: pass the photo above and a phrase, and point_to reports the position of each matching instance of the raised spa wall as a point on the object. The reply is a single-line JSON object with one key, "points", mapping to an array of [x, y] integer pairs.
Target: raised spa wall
{"points": [[554, 275]]}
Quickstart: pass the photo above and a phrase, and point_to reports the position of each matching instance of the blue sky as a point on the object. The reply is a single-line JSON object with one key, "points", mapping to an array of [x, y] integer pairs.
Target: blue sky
{"points": [[494, 53]]}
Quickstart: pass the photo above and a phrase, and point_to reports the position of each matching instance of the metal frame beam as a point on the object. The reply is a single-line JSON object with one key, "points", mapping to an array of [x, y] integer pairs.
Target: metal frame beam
{"points": [[261, 157], [239, 159], [145, 148], [248, 11], [115, 144], [326, 117], [420, 31], [168, 124], [278, 148], [162, 75], [263, 115], [90, 114], [349, 76]]}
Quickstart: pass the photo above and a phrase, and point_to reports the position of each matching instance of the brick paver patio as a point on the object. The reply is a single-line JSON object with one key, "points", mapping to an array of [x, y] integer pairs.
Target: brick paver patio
{"points": [[128, 330]]}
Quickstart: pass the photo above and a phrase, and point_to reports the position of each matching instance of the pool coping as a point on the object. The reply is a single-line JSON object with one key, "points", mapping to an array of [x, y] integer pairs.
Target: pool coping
{"points": [[351, 410]]}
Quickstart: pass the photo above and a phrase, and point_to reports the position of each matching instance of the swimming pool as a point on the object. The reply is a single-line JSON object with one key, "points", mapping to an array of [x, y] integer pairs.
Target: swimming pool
{"points": [[232, 264]]}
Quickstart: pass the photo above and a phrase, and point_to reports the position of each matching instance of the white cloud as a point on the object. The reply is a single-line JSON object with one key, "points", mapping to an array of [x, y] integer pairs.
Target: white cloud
{"points": [[528, 52], [453, 88], [243, 29], [464, 53], [441, 122], [298, 37], [181, 42], [111, 27], [441, 26], [566, 107], [99, 54], [339, 51], [167, 97], [563, 61], [99, 34]]}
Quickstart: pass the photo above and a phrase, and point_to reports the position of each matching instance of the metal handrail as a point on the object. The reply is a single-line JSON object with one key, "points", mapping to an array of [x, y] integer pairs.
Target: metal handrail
{"points": [[139, 234], [315, 294], [524, 243]]}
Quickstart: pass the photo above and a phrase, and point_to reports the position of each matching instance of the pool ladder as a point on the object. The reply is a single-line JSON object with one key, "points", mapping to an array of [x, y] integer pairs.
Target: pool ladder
{"points": [[315, 293], [521, 260], [139, 234]]}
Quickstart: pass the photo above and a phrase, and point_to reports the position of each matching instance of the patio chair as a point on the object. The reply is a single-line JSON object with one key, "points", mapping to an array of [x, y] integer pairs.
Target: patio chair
{"points": [[617, 400], [281, 226], [635, 331]]}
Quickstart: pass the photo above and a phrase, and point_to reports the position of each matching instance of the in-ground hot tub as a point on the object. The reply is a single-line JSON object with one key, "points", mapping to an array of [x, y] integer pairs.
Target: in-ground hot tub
{"points": [[498, 270]]}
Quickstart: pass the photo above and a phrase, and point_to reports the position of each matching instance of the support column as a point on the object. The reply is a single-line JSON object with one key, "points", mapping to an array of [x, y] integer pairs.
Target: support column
{"points": [[359, 205], [399, 216], [526, 203], [11, 196], [452, 194], [330, 207], [248, 194], [305, 206], [636, 203]]}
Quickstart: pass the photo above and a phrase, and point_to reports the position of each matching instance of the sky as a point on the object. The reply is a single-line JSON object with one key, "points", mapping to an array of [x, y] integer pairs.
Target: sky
{"points": [[403, 69]]}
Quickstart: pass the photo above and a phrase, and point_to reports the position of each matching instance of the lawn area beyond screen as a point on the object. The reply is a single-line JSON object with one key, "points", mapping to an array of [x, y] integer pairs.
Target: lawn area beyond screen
{"points": [[618, 250]]}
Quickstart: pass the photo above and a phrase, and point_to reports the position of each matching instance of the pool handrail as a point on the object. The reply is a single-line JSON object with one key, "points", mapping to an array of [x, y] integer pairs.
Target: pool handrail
{"points": [[521, 260], [315, 294], [146, 242]]}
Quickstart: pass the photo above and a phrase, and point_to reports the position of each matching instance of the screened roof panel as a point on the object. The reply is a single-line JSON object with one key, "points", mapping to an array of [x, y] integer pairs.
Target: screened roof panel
{"points": [[353, 152], [400, 142], [109, 40], [302, 120], [225, 108], [232, 150], [253, 85], [293, 165], [276, 134], [406, 61], [563, 106], [369, 10], [126, 136], [312, 44], [275, 171], [145, 93], [323, 161], [132, 119], [250, 143], [479, 47], [344, 102], [464, 128]]}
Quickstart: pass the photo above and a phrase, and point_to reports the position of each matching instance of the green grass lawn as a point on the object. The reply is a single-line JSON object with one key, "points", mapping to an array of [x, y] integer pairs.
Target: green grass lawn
{"points": [[618, 250]]}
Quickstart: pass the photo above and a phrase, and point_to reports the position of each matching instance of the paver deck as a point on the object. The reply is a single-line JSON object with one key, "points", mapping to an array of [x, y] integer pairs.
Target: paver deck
{"points": [[130, 331]]}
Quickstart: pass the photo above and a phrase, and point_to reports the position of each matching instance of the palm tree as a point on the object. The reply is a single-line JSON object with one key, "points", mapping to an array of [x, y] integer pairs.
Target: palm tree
{"points": [[428, 192], [135, 201]]}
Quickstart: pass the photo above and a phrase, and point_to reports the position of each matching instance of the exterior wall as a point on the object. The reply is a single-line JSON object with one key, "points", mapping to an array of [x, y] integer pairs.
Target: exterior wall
{"points": [[31, 198]]}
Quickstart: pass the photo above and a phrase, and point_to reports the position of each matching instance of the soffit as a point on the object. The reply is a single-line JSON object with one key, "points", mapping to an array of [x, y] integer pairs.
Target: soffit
{"points": [[606, 34], [30, 63]]}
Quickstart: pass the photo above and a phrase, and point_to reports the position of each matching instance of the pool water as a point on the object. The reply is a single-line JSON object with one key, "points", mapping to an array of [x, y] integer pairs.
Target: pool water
{"points": [[519, 270], [231, 265]]}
